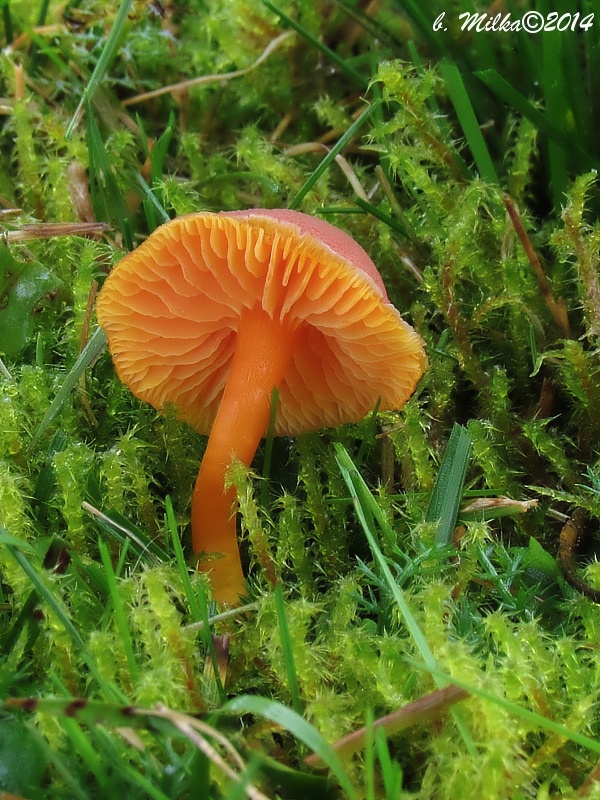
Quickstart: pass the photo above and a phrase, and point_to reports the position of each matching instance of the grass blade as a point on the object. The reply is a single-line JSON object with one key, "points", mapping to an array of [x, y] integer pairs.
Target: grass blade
{"points": [[383, 217], [557, 110], [447, 492], [424, 24], [335, 150], [281, 715], [103, 63], [364, 502], [126, 533], [503, 89], [119, 611], [524, 713], [107, 199], [84, 749], [88, 355], [330, 54], [288, 652], [60, 612], [468, 121], [152, 205], [194, 605]]}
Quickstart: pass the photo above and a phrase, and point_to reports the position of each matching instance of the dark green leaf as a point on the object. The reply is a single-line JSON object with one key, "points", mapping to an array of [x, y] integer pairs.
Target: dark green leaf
{"points": [[23, 285]]}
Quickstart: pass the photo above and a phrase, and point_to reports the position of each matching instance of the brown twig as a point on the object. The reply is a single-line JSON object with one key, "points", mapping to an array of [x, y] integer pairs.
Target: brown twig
{"points": [[590, 783], [48, 230], [198, 733], [570, 537], [421, 710], [557, 309], [204, 80]]}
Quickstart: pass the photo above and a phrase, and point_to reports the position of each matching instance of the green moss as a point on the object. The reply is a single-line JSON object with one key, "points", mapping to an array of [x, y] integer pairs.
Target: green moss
{"points": [[71, 468]]}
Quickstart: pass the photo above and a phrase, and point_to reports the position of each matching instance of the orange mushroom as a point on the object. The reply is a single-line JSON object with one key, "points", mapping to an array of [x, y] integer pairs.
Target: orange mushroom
{"points": [[213, 311]]}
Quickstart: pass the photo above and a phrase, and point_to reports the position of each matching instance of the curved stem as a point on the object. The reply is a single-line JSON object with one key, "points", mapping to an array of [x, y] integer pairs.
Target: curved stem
{"points": [[263, 351]]}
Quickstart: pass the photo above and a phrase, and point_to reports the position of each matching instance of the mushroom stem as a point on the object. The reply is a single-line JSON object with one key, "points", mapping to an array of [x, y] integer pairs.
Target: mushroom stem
{"points": [[263, 351]]}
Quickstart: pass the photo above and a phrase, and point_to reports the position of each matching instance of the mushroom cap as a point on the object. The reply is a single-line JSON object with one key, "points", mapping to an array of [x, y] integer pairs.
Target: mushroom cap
{"points": [[171, 309]]}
